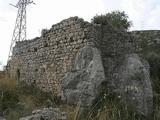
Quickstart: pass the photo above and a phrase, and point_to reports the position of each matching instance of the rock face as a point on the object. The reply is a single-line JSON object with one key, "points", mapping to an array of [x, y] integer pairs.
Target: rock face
{"points": [[131, 80], [83, 83], [134, 85], [46, 114]]}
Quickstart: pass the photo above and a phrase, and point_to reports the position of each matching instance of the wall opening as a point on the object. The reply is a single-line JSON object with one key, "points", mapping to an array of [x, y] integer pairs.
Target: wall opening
{"points": [[35, 49], [43, 70], [71, 39], [18, 74], [45, 44], [49, 38]]}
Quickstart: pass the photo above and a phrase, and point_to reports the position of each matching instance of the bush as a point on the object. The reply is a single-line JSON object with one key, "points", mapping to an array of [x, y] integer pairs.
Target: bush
{"points": [[19, 100], [154, 62], [109, 107], [117, 19]]}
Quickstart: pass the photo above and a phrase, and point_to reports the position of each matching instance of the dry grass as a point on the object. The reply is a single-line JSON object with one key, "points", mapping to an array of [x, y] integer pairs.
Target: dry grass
{"points": [[21, 101], [29, 102], [2, 74], [7, 83]]}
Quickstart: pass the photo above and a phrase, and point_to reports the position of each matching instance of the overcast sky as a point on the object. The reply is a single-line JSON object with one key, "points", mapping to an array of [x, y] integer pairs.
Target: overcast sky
{"points": [[145, 14]]}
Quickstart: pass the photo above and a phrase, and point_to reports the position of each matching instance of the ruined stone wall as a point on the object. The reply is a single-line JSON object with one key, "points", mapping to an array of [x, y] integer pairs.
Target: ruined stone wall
{"points": [[74, 58], [44, 60], [147, 38]]}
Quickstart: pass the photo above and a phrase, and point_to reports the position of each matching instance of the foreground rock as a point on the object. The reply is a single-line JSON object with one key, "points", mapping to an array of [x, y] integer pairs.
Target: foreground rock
{"points": [[131, 80], [1, 118], [134, 85], [82, 85], [46, 114]]}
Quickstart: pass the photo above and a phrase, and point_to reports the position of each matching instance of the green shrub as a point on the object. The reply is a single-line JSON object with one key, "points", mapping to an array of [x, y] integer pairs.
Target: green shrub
{"points": [[13, 115], [20, 100], [108, 106], [153, 58], [117, 19], [8, 100]]}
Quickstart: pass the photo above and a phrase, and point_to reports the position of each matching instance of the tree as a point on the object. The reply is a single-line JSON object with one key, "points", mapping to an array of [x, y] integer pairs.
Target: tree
{"points": [[117, 19]]}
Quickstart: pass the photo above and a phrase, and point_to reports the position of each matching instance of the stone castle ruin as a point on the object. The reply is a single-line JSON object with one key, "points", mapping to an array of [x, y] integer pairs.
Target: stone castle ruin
{"points": [[74, 58]]}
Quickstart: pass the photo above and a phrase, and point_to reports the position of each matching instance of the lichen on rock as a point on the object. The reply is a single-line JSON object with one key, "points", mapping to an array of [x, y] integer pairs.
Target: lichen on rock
{"points": [[83, 83]]}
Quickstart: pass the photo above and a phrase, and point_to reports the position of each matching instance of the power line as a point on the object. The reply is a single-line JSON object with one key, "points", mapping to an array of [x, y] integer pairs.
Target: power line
{"points": [[19, 33]]}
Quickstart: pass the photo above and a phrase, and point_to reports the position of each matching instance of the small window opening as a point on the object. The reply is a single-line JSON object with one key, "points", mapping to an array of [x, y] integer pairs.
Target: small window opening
{"points": [[43, 70], [35, 49], [71, 39], [57, 43], [49, 38], [18, 74], [45, 44], [34, 81]]}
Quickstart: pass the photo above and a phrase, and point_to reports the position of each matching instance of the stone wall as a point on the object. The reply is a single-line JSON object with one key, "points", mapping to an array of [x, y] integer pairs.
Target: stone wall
{"points": [[147, 38], [44, 60]]}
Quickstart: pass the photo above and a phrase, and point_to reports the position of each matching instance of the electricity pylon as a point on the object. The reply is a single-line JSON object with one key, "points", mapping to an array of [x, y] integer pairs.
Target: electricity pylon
{"points": [[19, 33]]}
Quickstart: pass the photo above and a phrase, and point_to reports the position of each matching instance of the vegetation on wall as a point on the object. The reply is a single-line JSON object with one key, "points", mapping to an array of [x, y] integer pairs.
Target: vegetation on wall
{"points": [[117, 19]]}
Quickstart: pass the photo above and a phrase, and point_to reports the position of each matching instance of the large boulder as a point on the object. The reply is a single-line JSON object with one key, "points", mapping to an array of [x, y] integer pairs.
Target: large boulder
{"points": [[130, 78], [82, 84], [134, 85]]}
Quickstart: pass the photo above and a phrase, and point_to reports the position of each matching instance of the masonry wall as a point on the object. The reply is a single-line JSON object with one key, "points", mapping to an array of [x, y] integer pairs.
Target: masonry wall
{"points": [[147, 38], [45, 60]]}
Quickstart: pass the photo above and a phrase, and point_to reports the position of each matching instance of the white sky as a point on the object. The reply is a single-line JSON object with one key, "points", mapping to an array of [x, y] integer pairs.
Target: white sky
{"points": [[145, 14]]}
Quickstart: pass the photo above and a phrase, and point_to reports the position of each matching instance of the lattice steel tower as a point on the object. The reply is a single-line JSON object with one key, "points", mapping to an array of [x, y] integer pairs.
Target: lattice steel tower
{"points": [[19, 33]]}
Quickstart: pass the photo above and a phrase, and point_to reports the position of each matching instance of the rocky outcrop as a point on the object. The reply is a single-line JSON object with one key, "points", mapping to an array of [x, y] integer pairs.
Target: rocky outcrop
{"points": [[46, 114], [134, 85], [131, 80], [83, 83]]}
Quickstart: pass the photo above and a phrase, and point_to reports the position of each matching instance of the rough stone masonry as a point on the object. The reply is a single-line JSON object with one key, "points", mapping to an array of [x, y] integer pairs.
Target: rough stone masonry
{"points": [[73, 59]]}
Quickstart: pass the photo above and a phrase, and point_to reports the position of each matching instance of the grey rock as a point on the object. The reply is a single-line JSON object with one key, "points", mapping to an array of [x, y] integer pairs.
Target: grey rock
{"points": [[134, 85], [1, 118], [82, 84], [46, 114]]}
